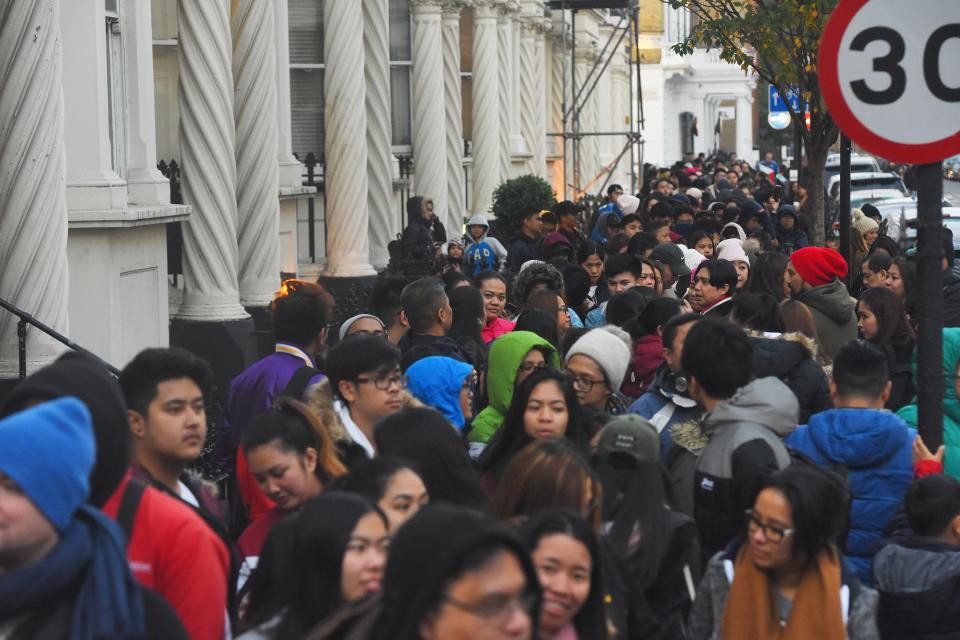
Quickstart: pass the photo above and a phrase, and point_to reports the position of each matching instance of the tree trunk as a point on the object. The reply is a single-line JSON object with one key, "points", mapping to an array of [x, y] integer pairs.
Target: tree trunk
{"points": [[816, 160]]}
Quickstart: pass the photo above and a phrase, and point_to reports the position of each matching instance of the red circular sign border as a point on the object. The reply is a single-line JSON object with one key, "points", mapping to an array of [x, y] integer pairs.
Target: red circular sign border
{"points": [[845, 118]]}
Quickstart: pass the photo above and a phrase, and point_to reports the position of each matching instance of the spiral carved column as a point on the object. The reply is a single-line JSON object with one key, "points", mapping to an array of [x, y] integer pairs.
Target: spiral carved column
{"points": [[486, 105], [210, 254], [33, 207], [505, 63], [429, 139], [345, 127], [555, 109], [376, 75], [255, 108], [453, 109], [533, 92]]}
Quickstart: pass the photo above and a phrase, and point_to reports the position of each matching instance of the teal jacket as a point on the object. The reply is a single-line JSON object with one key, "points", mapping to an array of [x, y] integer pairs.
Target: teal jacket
{"points": [[951, 404]]}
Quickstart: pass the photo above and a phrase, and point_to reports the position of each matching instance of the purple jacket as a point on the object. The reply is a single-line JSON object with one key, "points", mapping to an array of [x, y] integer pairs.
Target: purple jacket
{"points": [[253, 391]]}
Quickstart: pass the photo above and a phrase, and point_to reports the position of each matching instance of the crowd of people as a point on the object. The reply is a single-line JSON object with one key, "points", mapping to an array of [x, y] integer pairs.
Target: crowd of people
{"points": [[671, 419]]}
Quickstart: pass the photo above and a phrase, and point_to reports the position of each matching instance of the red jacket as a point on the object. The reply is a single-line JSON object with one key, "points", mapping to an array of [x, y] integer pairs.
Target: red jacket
{"points": [[175, 553], [647, 356]]}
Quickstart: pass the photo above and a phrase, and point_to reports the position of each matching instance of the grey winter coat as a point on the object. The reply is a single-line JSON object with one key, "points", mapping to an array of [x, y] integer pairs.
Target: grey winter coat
{"points": [[860, 612], [745, 446], [834, 314]]}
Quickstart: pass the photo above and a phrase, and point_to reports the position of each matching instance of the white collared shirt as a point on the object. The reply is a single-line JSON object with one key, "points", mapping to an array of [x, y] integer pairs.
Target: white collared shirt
{"points": [[353, 430]]}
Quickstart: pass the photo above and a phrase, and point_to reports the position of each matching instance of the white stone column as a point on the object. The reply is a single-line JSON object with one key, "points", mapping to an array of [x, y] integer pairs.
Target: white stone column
{"points": [[145, 184], [33, 207], [486, 104], [255, 110], [345, 130], [555, 106], [533, 86], [505, 62], [376, 74], [453, 109], [290, 168], [588, 153], [207, 141], [429, 139], [744, 127], [92, 183]]}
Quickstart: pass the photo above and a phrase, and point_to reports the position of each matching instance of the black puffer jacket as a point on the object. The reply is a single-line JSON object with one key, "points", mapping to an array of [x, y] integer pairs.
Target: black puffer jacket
{"points": [[791, 357], [417, 242], [951, 299]]}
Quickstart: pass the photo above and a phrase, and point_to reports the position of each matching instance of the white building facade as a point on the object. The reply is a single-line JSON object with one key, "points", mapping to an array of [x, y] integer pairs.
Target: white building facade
{"points": [[294, 131]]}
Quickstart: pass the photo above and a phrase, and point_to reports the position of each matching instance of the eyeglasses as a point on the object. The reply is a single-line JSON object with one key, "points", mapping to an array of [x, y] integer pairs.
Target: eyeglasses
{"points": [[497, 610], [527, 367], [585, 384], [384, 382], [378, 333], [770, 532]]}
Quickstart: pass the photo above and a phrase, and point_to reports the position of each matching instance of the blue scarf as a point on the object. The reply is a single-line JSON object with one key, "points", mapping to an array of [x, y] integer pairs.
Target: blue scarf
{"points": [[91, 559]]}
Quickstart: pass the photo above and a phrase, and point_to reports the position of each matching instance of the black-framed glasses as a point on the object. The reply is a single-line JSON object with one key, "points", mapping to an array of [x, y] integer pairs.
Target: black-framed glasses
{"points": [[497, 610], [385, 381], [770, 532], [585, 384]]}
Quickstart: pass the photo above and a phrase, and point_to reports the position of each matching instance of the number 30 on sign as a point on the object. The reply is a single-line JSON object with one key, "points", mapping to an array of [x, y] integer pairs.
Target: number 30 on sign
{"points": [[890, 76]]}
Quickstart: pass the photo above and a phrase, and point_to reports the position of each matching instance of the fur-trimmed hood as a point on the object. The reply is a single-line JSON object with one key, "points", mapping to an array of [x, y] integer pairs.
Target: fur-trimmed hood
{"points": [[320, 401]]}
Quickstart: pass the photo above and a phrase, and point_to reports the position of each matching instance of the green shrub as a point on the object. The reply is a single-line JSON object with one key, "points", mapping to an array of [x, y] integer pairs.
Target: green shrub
{"points": [[516, 196]]}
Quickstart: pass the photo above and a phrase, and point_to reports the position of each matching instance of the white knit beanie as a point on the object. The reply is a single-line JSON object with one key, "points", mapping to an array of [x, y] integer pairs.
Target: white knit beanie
{"points": [[732, 249], [610, 347], [863, 223]]}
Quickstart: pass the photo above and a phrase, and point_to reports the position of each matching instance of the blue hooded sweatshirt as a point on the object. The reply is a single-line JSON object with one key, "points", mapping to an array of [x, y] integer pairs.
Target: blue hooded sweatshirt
{"points": [[876, 448], [437, 381]]}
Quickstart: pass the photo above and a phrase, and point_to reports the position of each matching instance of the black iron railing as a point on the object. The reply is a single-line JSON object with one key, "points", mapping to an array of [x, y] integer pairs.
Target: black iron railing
{"points": [[26, 320]]}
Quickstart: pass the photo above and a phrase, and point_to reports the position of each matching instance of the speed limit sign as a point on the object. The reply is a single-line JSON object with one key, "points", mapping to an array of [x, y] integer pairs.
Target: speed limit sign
{"points": [[890, 76]]}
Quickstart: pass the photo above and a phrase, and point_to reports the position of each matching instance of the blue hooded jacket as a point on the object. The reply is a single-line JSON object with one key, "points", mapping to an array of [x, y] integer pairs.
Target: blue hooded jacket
{"points": [[437, 381], [876, 448]]}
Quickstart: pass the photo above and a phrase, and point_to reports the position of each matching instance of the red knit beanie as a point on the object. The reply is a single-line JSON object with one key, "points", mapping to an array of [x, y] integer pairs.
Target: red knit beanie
{"points": [[818, 266]]}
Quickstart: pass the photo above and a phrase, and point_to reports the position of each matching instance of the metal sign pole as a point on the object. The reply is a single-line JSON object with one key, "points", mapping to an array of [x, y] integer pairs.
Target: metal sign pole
{"points": [[844, 209], [930, 378]]}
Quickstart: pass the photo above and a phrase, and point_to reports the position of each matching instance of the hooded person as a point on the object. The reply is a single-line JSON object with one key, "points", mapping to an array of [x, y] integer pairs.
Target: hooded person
{"points": [[482, 252], [435, 559], [814, 275], [732, 251], [442, 383], [170, 548], [951, 402], [735, 231], [513, 355], [63, 571], [789, 233], [745, 422], [417, 240], [556, 245]]}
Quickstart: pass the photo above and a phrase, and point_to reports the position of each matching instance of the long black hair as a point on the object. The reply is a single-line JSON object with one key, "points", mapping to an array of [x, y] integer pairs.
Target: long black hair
{"points": [[590, 621], [512, 436], [321, 533], [893, 327], [468, 320], [766, 275], [424, 437]]}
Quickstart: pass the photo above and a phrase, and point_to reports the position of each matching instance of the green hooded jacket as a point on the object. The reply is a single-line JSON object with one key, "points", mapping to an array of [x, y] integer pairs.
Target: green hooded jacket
{"points": [[951, 404], [506, 354]]}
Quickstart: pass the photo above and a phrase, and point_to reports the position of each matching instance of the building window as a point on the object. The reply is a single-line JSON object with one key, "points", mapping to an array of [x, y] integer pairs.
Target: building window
{"points": [[687, 124], [401, 68], [306, 77], [116, 89]]}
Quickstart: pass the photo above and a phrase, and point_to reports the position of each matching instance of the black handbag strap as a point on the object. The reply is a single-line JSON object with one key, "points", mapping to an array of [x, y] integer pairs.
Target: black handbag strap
{"points": [[298, 382], [129, 505]]}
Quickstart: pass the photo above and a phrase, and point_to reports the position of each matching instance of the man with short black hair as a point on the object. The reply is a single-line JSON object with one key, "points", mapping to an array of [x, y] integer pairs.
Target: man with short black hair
{"points": [[524, 245], [567, 217], [385, 304], [713, 285], [366, 381], [745, 422], [429, 315], [875, 269], [919, 577], [858, 434], [660, 229], [623, 271], [163, 389], [301, 315]]}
